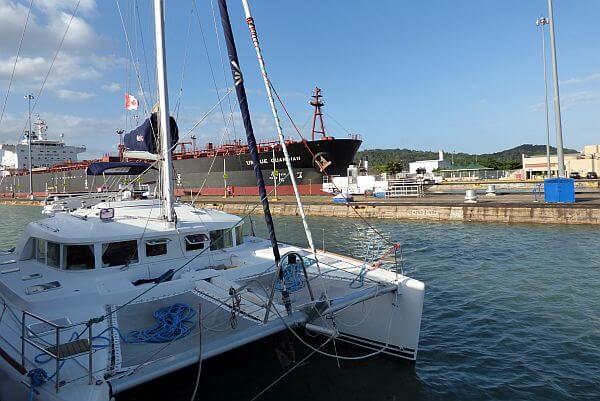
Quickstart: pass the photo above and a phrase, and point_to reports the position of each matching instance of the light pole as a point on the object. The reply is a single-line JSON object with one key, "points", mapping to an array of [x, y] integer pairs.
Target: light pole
{"points": [[541, 22], [559, 139], [29, 98]]}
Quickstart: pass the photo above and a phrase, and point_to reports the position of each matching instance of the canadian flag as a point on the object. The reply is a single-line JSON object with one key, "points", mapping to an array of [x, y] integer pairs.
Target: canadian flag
{"points": [[131, 103]]}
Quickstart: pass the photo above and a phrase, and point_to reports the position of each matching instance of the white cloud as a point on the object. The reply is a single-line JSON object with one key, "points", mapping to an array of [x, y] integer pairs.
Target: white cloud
{"points": [[72, 95], [112, 87], [578, 80], [569, 101], [45, 29], [80, 58]]}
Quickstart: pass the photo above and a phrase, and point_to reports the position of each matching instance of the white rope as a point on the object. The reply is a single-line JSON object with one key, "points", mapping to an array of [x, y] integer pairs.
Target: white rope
{"points": [[12, 74]]}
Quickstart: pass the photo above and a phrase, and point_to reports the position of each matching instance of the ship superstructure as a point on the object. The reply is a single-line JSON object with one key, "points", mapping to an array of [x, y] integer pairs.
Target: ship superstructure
{"points": [[45, 152]]}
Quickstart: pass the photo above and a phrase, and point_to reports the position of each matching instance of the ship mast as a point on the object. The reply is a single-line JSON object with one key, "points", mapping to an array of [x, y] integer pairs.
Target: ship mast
{"points": [[163, 114], [317, 103]]}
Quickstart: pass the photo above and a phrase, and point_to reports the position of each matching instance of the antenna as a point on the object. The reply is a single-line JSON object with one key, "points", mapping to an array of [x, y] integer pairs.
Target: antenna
{"points": [[317, 103]]}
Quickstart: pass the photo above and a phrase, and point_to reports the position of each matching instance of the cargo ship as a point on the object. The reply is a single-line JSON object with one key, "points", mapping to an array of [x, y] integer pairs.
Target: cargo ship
{"points": [[225, 169]]}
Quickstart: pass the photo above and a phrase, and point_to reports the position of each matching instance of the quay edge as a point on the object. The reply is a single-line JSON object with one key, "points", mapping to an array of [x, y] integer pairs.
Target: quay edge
{"points": [[429, 208]]}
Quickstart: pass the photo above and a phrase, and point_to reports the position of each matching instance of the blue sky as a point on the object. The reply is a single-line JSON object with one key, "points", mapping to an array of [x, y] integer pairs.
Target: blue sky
{"points": [[432, 74]]}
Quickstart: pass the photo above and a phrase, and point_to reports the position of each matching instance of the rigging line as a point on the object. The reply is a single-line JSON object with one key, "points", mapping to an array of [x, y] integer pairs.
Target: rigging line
{"points": [[287, 372], [212, 163], [221, 58], [207, 113], [186, 134], [137, 12], [338, 123], [212, 72], [12, 74], [336, 356], [327, 174], [62, 40], [185, 59], [127, 87], [137, 73]]}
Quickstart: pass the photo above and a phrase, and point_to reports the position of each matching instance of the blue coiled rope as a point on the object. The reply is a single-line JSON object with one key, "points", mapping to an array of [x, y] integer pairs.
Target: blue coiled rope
{"points": [[172, 323], [292, 277], [37, 377]]}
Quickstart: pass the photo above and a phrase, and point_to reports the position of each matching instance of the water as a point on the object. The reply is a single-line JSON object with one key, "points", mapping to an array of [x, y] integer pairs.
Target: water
{"points": [[511, 312]]}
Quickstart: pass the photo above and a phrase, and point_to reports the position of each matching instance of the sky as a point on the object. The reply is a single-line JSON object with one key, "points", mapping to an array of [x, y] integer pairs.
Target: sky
{"points": [[461, 75]]}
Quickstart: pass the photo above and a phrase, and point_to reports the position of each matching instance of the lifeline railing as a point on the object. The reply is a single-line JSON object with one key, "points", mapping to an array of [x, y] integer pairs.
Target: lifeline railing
{"points": [[55, 351]]}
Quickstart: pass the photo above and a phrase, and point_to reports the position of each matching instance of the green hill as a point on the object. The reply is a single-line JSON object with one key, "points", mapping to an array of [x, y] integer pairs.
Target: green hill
{"points": [[384, 159]]}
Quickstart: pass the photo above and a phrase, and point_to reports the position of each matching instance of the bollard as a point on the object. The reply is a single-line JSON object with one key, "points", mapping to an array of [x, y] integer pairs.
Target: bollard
{"points": [[470, 196], [491, 190]]}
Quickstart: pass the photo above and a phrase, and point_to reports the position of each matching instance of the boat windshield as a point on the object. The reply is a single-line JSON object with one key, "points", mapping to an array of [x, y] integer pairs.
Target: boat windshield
{"points": [[79, 257], [119, 253]]}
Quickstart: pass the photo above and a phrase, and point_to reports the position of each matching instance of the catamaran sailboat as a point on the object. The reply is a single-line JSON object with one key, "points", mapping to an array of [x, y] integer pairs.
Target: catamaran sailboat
{"points": [[97, 300]]}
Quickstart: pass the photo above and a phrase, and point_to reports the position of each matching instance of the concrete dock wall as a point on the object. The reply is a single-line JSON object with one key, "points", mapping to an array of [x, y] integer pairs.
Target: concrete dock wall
{"points": [[506, 209], [542, 214]]}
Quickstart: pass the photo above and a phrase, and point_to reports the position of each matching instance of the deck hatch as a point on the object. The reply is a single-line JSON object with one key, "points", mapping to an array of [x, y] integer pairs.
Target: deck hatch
{"points": [[36, 289], [39, 329]]}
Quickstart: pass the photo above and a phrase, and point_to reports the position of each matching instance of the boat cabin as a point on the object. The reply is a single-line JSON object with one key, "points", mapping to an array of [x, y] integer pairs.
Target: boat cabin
{"points": [[126, 236]]}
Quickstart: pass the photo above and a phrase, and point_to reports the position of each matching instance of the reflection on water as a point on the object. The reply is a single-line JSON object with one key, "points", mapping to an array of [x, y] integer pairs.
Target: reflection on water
{"points": [[511, 312]]}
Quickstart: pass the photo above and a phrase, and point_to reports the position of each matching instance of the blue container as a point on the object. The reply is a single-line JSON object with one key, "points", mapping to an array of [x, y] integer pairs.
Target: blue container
{"points": [[559, 190]]}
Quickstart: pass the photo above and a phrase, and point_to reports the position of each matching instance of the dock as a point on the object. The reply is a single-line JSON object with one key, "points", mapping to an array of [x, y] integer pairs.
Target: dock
{"points": [[509, 208], [503, 208]]}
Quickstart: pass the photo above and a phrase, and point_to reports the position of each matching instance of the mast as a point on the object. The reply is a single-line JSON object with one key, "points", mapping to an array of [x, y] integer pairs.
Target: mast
{"points": [[317, 103], [163, 114], [288, 163], [243, 102], [559, 138]]}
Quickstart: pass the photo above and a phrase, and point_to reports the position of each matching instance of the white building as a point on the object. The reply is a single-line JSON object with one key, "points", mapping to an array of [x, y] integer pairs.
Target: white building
{"points": [[44, 152], [429, 165], [587, 161]]}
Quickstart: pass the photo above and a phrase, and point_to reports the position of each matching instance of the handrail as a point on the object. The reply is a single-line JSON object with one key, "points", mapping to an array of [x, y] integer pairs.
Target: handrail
{"points": [[57, 356]]}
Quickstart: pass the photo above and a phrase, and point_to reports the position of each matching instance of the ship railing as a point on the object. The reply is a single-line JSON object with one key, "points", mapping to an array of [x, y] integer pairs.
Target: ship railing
{"points": [[60, 352]]}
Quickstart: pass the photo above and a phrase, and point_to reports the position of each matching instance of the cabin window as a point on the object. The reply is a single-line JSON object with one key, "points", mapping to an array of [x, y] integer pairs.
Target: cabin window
{"points": [[157, 247], [47, 252], [195, 241], [41, 251], [239, 235], [79, 257], [119, 253], [53, 254], [220, 239]]}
